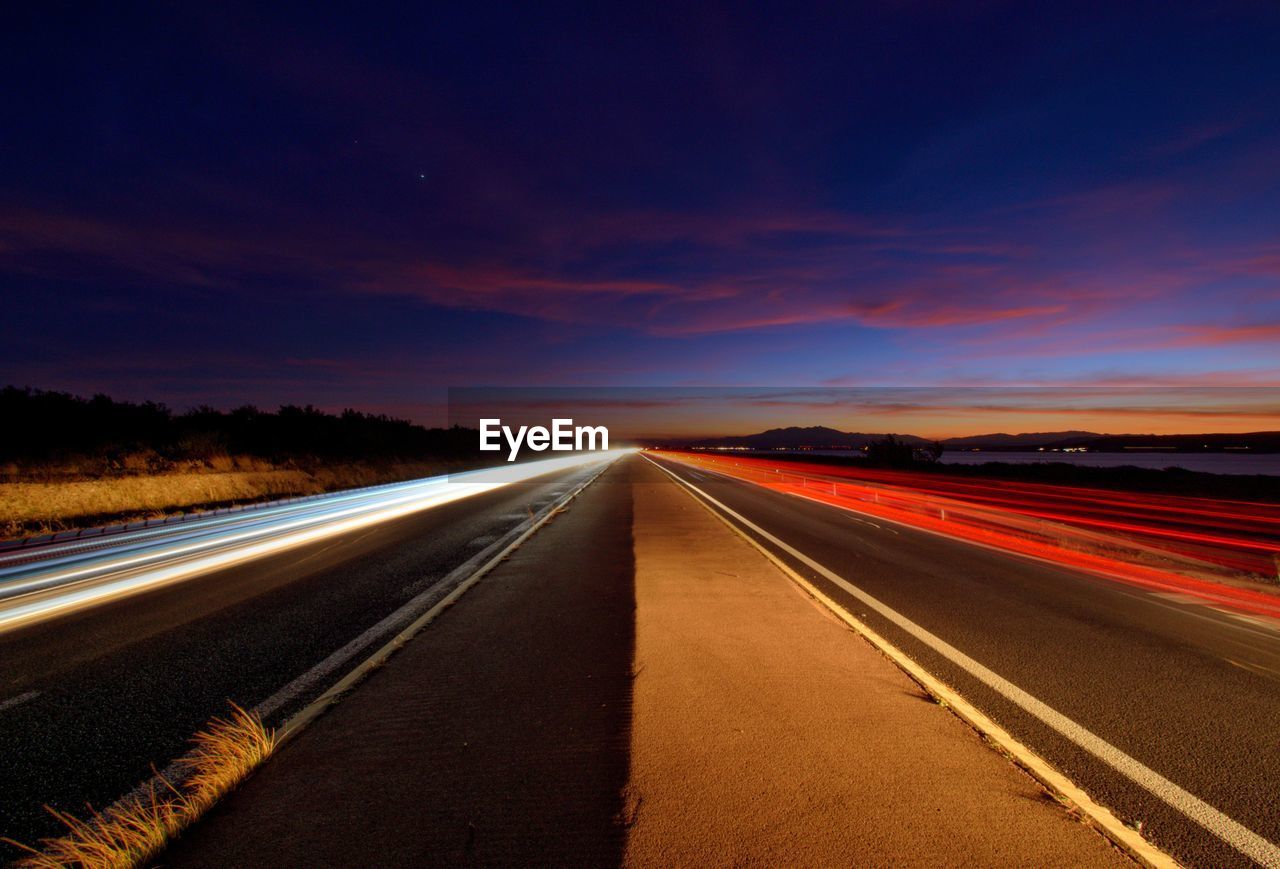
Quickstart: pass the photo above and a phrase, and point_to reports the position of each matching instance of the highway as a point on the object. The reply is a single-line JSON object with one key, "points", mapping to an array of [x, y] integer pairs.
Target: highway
{"points": [[1160, 706], [113, 652]]}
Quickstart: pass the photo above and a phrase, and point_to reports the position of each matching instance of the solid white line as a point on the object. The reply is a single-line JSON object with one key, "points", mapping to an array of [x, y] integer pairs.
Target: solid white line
{"points": [[402, 616], [1183, 604], [470, 572], [864, 522], [36, 598], [317, 706], [1204, 599], [1220, 825]]}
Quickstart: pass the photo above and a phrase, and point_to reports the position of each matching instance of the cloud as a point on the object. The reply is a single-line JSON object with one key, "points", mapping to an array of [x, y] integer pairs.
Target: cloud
{"points": [[690, 275], [1218, 336], [1198, 135]]}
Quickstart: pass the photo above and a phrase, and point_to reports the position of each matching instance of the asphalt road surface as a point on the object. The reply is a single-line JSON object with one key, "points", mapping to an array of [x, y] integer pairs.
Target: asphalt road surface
{"points": [[1188, 691], [91, 701]]}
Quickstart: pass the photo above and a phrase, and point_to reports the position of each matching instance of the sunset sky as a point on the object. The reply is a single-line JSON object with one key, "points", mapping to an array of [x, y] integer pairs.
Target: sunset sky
{"points": [[237, 205], [660, 413]]}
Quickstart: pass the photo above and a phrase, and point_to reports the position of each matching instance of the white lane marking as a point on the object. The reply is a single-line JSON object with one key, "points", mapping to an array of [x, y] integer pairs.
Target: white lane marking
{"points": [[483, 540], [18, 700], [1227, 829], [1123, 581], [1182, 604], [425, 600], [1126, 838], [312, 710], [46, 595], [855, 518], [477, 565]]}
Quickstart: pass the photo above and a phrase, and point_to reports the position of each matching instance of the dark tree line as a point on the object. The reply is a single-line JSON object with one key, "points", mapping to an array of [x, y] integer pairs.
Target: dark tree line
{"points": [[893, 452], [40, 426]]}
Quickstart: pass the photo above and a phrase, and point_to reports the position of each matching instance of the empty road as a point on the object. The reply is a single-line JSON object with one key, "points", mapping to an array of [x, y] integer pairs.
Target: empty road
{"points": [[90, 701], [1161, 707], [1188, 692]]}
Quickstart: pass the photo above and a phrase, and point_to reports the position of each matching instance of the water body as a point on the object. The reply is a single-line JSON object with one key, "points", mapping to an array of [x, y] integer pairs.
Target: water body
{"points": [[1209, 463]]}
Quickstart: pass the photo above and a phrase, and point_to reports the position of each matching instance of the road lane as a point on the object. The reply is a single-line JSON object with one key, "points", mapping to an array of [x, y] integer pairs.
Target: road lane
{"points": [[53, 580], [1190, 692], [108, 692], [1151, 548]]}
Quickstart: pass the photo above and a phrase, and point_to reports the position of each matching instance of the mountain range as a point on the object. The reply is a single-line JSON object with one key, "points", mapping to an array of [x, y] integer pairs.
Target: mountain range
{"points": [[823, 438]]}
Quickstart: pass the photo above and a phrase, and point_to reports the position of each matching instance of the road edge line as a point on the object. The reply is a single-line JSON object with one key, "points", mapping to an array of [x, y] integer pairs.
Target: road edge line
{"points": [[1101, 818], [1126, 583], [1200, 597], [313, 710], [297, 722]]}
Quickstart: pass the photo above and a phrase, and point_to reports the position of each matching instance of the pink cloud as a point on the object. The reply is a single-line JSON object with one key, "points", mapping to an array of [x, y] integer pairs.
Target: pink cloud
{"points": [[1216, 336], [736, 272]]}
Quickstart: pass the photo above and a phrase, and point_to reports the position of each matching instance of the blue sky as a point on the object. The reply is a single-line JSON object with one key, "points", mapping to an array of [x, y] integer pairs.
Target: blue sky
{"points": [[356, 208]]}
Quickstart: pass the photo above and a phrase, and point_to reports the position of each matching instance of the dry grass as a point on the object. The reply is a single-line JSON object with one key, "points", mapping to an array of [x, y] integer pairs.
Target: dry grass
{"points": [[35, 505], [39, 506], [137, 828]]}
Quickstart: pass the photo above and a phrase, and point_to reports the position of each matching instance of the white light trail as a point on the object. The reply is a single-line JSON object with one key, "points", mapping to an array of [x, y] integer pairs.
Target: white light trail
{"points": [[74, 575]]}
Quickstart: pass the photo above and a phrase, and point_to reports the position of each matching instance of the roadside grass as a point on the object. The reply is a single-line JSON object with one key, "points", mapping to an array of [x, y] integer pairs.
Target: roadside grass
{"points": [[41, 503], [137, 828]]}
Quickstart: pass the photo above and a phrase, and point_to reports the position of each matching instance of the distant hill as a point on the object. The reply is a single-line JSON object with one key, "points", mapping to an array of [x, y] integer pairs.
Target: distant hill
{"points": [[1020, 441], [795, 437], [823, 438]]}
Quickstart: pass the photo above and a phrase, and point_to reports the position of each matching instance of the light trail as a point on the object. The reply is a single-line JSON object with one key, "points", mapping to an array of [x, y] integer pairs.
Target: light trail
{"points": [[1209, 549], [61, 578]]}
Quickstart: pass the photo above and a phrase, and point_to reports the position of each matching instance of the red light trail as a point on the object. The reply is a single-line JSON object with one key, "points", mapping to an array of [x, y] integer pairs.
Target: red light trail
{"points": [[1216, 550]]}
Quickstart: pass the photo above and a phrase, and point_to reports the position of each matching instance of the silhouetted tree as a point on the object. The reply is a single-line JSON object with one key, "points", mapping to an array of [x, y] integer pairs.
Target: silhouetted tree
{"points": [[42, 426], [890, 452], [930, 453]]}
